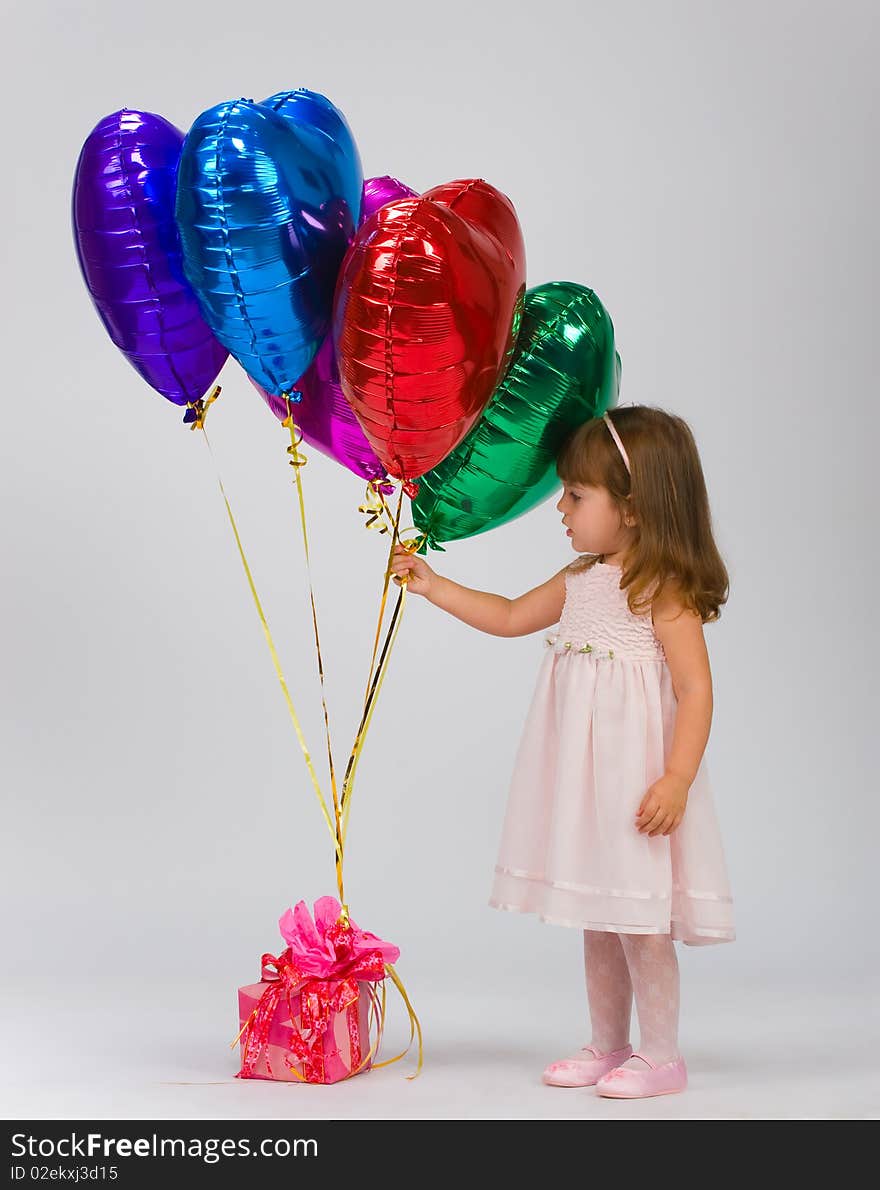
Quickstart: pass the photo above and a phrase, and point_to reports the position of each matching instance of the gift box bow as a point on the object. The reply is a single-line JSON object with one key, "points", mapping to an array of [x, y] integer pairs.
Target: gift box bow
{"points": [[332, 946]]}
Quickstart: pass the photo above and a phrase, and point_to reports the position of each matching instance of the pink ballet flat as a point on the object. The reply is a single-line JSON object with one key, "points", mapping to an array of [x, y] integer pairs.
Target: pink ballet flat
{"points": [[584, 1072], [621, 1083]]}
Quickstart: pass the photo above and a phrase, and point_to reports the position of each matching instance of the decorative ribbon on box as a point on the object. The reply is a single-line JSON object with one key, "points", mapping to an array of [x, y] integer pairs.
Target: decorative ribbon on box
{"points": [[311, 1007]]}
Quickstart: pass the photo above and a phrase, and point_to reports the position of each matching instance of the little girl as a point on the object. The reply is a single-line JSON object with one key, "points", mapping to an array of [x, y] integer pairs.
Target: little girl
{"points": [[610, 823]]}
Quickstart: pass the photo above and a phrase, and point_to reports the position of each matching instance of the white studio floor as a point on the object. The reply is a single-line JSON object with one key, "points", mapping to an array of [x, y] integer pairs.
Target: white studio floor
{"points": [[785, 1053]]}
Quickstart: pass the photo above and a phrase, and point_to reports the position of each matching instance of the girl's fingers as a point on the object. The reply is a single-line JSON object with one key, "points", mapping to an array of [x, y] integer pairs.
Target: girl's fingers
{"points": [[668, 825], [648, 827]]}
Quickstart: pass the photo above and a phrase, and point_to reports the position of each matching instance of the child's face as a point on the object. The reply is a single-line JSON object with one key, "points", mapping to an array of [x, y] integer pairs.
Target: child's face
{"points": [[592, 519]]}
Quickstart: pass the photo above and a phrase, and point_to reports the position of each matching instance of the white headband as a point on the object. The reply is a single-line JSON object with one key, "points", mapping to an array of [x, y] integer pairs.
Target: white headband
{"points": [[614, 434]]}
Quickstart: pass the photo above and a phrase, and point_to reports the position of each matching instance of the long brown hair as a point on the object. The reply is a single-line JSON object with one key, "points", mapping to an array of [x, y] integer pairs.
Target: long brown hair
{"points": [[673, 541]]}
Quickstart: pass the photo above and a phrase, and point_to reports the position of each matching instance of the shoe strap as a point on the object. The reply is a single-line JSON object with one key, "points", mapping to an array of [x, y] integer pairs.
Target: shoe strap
{"points": [[592, 1049], [645, 1058]]}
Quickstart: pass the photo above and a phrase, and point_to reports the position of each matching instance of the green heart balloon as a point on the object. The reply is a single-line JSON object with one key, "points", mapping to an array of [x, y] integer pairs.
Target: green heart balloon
{"points": [[564, 371]]}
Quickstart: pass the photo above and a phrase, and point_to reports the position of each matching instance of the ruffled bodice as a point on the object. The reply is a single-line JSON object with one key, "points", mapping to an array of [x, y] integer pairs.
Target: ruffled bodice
{"points": [[596, 619]]}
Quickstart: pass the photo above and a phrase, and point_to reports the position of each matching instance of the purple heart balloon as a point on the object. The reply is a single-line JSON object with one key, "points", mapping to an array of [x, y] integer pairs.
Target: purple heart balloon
{"points": [[325, 417], [129, 253]]}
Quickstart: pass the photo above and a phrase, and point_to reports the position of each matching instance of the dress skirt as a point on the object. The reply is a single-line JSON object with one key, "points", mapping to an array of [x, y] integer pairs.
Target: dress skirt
{"points": [[595, 738]]}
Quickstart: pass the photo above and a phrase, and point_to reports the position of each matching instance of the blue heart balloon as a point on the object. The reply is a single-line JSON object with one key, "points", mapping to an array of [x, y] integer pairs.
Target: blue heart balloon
{"points": [[268, 199]]}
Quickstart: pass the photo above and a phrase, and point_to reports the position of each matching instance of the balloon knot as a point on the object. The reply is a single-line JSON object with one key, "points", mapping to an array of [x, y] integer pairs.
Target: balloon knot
{"points": [[197, 411]]}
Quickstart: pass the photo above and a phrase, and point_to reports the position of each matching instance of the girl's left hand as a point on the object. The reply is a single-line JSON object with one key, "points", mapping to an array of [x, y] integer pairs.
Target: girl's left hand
{"points": [[662, 808]]}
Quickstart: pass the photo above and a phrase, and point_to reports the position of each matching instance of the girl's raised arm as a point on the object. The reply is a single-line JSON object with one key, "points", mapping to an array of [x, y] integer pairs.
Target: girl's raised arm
{"points": [[538, 608], [495, 614]]}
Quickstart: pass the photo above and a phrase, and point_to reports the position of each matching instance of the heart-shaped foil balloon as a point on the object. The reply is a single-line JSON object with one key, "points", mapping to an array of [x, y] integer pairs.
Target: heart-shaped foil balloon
{"points": [[564, 371], [268, 198], [129, 253], [426, 313]]}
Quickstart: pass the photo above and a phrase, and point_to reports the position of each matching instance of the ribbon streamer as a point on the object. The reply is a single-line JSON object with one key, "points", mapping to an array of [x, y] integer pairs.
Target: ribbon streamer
{"points": [[374, 502], [374, 506], [298, 461], [275, 659], [197, 411]]}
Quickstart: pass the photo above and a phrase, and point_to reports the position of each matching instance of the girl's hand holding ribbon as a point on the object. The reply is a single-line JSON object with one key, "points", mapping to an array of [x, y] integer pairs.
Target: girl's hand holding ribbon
{"points": [[419, 573], [662, 808]]}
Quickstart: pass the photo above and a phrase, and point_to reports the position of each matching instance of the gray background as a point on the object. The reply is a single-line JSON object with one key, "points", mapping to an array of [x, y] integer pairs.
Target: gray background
{"points": [[710, 170]]}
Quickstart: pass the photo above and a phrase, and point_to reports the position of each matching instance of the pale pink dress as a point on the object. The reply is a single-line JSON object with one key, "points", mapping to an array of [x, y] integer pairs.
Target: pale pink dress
{"points": [[596, 734]]}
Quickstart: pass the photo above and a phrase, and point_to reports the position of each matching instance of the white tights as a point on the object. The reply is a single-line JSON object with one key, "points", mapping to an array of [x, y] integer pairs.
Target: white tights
{"points": [[618, 966]]}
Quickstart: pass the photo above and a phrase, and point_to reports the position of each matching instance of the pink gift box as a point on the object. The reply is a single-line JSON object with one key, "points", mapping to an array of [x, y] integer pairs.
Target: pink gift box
{"points": [[338, 1050], [308, 1019]]}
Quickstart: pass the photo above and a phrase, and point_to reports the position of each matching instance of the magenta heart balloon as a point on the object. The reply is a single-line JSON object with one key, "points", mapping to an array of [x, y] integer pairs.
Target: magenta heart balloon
{"points": [[325, 417]]}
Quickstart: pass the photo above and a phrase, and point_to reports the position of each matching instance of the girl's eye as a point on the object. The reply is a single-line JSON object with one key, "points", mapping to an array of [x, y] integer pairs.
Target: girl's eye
{"points": [[575, 496]]}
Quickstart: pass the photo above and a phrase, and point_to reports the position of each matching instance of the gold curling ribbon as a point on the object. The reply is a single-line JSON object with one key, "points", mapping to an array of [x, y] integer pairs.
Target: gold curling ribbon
{"points": [[376, 677], [366, 713], [379, 1017], [369, 708], [374, 507], [275, 660], [375, 504], [298, 461], [378, 499], [384, 597], [414, 1026], [200, 408]]}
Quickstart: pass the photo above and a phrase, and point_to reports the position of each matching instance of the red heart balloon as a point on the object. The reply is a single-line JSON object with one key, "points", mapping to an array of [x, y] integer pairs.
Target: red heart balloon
{"points": [[426, 315]]}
